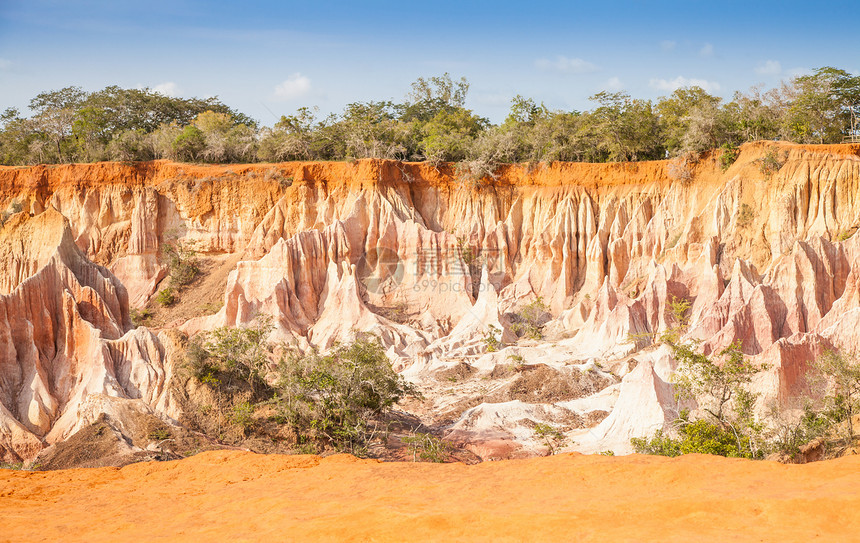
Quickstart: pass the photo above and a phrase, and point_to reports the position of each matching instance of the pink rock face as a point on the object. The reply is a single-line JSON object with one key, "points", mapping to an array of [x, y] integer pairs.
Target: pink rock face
{"points": [[606, 248], [64, 336]]}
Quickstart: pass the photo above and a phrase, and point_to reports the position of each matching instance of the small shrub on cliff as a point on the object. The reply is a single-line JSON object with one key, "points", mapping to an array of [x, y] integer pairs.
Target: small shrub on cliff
{"points": [[551, 436], [772, 162], [165, 297], [182, 263], [745, 216], [140, 317], [728, 155], [491, 339], [530, 319], [846, 234], [14, 207], [427, 448]]}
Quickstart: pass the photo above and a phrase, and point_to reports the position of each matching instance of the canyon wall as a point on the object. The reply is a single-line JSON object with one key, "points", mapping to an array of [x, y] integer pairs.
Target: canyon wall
{"points": [[429, 263]]}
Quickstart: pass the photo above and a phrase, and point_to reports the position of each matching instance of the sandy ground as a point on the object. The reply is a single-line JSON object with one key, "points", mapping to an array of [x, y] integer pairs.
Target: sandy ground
{"points": [[235, 496]]}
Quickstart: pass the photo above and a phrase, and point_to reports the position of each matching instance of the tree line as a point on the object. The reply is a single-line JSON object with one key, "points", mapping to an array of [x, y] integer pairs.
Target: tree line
{"points": [[432, 124]]}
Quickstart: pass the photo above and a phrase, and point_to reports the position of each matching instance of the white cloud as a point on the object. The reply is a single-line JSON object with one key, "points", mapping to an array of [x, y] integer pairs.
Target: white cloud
{"points": [[668, 45], [707, 50], [566, 65], [670, 85], [168, 88], [613, 84], [771, 67], [295, 86]]}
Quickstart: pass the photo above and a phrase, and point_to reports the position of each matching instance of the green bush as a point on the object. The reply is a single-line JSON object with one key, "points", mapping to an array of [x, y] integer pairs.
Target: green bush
{"points": [[699, 436], [140, 317], [233, 356], [159, 434], [243, 415], [745, 216], [491, 339], [728, 155], [165, 297], [337, 398]]}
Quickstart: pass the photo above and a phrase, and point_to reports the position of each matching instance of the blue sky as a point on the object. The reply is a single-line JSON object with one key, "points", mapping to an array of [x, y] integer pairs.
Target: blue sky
{"points": [[269, 58]]}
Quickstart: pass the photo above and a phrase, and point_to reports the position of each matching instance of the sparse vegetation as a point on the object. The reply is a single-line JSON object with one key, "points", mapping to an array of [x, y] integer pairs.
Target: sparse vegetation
{"points": [[491, 339], [845, 234], [140, 317], [159, 434], [333, 400], [530, 319], [182, 263], [745, 216], [427, 447], [550, 436], [842, 400], [165, 297], [772, 162], [14, 207], [680, 170]]}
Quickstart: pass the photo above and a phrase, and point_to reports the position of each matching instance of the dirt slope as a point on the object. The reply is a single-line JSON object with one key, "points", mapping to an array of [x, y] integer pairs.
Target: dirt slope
{"points": [[231, 496]]}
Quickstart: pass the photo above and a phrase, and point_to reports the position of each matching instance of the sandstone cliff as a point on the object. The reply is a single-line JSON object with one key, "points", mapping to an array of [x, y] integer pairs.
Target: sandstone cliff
{"points": [[330, 248]]}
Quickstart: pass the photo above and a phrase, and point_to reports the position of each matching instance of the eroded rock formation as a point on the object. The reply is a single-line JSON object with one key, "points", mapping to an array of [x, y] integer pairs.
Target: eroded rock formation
{"points": [[327, 249]]}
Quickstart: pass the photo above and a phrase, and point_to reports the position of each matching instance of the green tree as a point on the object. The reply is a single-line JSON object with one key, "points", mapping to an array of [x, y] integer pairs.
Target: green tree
{"points": [[54, 116], [818, 105], [843, 400], [189, 144]]}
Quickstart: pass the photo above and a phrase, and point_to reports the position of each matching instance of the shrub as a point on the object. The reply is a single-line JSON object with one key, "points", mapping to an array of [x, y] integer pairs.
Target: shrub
{"points": [[335, 399], [182, 263], [159, 434], [721, 389], [529, 321], [491, 339], [845, 234], [700, 436], [745, 216], [843, 398], [772, 162], [165, 297], [551, 436], [243, 415], [140, 317], [679, 170], [427, 447], [728, 155], [679, 308], [238, 355]]}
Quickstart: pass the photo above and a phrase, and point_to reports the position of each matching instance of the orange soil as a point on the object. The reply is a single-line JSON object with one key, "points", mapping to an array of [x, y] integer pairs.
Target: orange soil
{"points": [[235, 496], [47, 178]]}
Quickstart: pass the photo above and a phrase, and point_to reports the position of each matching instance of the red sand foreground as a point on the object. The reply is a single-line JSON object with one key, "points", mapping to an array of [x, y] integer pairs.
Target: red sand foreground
{"points": [[234, 496]]}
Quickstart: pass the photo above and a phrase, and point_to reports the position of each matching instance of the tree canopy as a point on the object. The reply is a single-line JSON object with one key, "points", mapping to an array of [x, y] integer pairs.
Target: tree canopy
{"points": [[432, 123]]}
